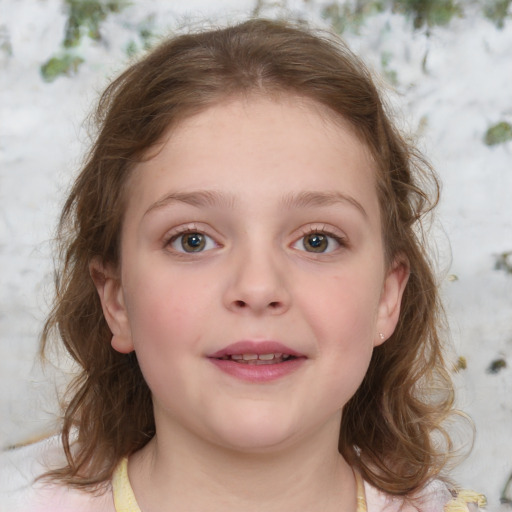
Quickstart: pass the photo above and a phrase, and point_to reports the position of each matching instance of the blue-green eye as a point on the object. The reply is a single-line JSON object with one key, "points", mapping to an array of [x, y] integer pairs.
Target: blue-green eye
{"points": [[192, 241], [318, 242]]}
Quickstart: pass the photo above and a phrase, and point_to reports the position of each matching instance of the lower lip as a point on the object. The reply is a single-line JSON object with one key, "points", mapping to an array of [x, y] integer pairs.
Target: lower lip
{"points": [[260, 372]]}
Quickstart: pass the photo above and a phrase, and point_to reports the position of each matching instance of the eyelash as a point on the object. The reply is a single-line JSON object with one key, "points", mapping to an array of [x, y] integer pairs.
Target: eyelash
{"points": [[180, 233], [313, 230], [341, 240]]}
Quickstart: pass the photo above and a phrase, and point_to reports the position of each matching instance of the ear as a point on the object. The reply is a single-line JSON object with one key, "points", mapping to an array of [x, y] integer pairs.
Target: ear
{"points": [[391, 299], [110, 291]]}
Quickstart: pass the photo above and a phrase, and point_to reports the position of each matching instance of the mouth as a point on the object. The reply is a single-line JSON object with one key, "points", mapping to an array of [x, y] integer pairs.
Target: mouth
{"points": [[258, 359], [256, 352]]}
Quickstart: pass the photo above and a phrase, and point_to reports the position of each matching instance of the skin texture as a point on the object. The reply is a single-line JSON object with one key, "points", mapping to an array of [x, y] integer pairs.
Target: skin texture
{"points": [[255, 178]]}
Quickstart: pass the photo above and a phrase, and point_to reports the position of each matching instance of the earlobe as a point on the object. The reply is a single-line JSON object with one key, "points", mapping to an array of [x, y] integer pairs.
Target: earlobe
{"points": [[391, 299], [108, 286]]}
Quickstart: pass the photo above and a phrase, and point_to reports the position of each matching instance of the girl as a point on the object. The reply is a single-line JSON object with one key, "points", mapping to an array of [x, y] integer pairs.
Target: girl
{"points": [[245, 290]]}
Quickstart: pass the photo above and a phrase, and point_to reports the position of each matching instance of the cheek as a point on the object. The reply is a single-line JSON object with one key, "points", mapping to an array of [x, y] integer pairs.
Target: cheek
{"points": [[164, 337], [345, 308], [343, 322], [168, 314], [164, 305]]}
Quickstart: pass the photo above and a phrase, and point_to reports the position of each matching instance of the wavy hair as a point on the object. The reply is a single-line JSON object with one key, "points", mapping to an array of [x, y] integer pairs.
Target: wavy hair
{"points": [[392, 428]]}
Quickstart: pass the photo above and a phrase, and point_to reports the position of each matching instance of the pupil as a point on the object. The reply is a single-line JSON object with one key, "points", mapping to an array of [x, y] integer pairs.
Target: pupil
{"points": [[193, 242], [316, 242]]}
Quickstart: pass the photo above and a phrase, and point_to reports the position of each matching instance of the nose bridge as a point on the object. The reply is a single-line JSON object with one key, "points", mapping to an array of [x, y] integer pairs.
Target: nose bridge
{"points": [[258, 279]]}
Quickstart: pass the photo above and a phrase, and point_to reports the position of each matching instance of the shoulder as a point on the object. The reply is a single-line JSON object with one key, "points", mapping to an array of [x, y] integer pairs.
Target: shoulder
{"points": [[20, 492], [434, 497]]}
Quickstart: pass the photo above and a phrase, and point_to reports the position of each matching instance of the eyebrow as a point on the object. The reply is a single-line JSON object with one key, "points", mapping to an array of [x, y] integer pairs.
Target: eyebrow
{"points": [[213, 198], [312, 199], [198, 198]]}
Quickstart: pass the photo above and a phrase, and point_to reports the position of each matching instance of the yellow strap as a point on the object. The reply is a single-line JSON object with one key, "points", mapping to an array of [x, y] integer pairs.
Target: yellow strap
{"points": [[124, 499], [361, 496]]}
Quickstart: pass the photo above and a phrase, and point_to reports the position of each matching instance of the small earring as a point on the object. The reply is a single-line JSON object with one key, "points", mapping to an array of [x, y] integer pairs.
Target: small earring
{"points": [[381, 336]]}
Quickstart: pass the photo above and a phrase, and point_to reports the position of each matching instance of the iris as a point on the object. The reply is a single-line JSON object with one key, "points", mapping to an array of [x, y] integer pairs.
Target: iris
{"points": [[316, 242]]}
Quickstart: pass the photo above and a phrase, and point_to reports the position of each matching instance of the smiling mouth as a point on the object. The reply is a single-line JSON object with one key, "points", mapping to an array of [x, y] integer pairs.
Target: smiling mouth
{"points": [[258, 359]]}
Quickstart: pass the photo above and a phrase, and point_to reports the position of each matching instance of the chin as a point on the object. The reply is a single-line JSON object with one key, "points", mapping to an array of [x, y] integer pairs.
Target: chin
{"points": [[256, 433]]}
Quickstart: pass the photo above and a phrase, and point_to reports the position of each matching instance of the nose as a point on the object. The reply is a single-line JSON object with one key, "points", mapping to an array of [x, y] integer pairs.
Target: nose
{"points": [[258, 285]]}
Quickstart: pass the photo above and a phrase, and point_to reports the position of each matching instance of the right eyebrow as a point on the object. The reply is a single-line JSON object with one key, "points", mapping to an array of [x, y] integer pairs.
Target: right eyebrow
{"points": [[321, 198], [198, 198]]}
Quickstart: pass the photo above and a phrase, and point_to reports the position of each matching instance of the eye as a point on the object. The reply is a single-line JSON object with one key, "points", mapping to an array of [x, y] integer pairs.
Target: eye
{"points": [[319, 242], [192, 241]]}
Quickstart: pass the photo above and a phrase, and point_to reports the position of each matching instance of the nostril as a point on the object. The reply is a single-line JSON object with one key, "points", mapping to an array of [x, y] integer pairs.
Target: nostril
{"points": [[274, 306]]}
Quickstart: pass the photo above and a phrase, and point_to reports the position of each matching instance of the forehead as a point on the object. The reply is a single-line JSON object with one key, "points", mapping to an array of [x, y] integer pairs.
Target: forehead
{"points": [[258, 145]]}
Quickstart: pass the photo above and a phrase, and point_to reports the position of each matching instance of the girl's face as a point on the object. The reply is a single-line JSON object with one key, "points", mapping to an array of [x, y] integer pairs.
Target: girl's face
{"points": [[253, 284]]}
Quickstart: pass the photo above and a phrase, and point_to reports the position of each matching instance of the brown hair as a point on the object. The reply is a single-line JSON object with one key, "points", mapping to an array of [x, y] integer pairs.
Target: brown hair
{"points": [[390, 428]]}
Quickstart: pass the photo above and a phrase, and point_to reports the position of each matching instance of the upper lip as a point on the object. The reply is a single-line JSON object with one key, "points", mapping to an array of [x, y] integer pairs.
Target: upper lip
{"points": [[255, 347]]}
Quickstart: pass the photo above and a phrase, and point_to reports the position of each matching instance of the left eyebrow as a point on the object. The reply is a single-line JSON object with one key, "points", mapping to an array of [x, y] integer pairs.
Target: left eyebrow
{"points": [[315, 199]]}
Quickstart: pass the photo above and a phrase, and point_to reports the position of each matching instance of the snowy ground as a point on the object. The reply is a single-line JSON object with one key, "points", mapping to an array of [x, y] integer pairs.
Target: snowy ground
{"points": [[462, 89]]}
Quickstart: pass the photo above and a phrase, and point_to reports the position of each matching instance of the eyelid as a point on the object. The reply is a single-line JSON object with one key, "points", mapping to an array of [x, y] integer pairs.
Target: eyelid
{"points": [[191, 227], [321, 228]]}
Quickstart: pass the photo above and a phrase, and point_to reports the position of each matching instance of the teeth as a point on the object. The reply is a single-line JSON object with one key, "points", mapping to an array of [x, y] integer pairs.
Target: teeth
{"points": [[258, 358]]}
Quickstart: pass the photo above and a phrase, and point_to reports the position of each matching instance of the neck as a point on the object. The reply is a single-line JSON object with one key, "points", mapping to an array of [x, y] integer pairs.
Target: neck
{"points": [[190, 475]]}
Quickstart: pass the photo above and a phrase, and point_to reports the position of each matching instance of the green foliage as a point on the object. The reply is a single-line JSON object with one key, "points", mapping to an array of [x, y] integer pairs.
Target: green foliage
{"points": [[498, 133], [389, 73], [461, 364], [5, 42], [506, 494], [132, 48], [147, 33], [497, 11], [504, 262], [428, 12], [497, 365], [350, 14], [147, 37], [337, 16], [85, 17], [66, 64], [273, 9]]}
